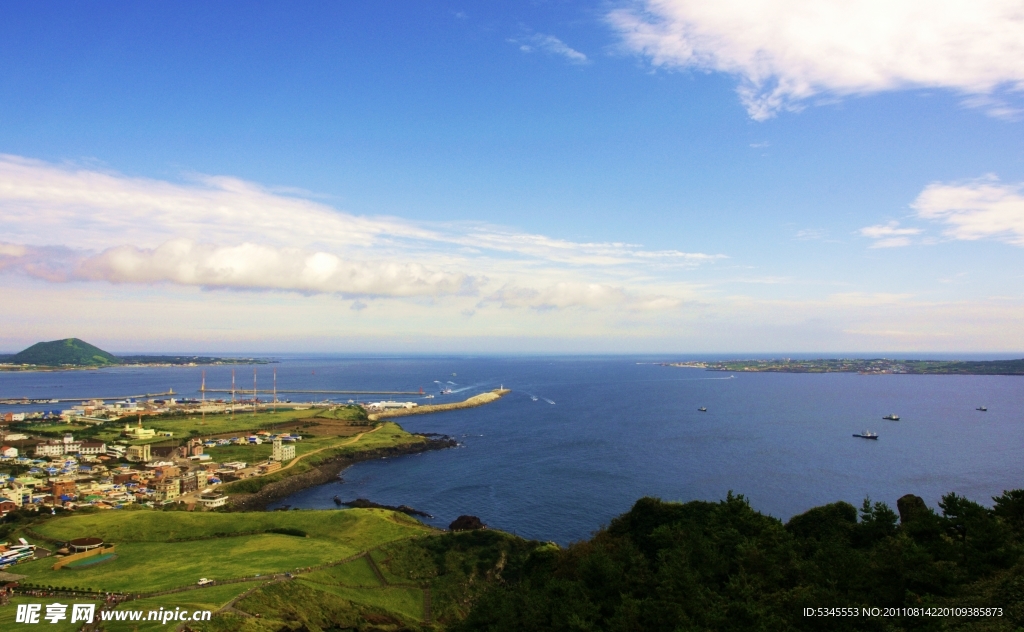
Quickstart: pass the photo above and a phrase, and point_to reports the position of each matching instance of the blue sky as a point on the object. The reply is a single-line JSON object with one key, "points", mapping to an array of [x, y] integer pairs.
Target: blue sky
{"points": [[550, 176]]}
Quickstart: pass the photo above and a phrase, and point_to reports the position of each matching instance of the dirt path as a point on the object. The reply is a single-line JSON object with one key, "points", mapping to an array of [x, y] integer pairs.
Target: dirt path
{"points": [[194, 496], [330, 447]]}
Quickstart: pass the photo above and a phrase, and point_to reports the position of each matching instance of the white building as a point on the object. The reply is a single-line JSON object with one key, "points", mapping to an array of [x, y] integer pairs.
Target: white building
{"points": [[212, 500], [50, 448], [389, 405], [282, 452], [93, 448]]}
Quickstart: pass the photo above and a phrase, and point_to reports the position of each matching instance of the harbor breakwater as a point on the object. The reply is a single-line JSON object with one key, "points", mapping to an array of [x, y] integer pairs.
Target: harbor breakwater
{"points": [[472, 402]]}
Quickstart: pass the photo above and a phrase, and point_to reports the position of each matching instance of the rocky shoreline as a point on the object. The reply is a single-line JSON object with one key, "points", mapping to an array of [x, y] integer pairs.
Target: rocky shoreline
{"points": [[365, 503], [329, 471]]}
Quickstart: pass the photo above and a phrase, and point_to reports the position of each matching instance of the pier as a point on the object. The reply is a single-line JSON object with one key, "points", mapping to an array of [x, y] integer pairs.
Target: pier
{"points": [[472, 402], [22, 401], [243, 391]]}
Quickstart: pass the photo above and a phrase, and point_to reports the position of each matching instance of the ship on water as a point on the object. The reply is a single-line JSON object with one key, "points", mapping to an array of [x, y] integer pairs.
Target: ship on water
{"points": [[892, 417], [867, 434]]}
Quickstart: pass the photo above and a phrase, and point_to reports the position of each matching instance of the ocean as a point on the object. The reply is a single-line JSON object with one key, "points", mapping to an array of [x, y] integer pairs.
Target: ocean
{"points": [[578, 440]]}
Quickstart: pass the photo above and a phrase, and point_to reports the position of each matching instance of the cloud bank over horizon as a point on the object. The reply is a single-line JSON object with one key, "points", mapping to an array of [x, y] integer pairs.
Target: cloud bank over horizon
{"points": [[65, 223], [787, 53]]}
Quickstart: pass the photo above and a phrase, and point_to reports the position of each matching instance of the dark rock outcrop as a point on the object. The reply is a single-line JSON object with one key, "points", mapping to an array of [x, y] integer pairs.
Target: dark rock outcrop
{"points": [[364, 503], [910, 506], [466, 523]]}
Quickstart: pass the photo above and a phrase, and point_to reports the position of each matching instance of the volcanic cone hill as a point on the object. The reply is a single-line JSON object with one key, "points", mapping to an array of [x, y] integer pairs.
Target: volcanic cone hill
{"points": [[67, 352]]}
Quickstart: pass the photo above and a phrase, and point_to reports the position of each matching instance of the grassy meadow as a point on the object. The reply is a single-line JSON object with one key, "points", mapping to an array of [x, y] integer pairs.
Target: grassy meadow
{"points": [[161, 550], [212, 599]]}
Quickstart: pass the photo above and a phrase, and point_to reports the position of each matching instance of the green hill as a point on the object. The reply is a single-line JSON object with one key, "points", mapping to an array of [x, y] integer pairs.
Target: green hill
{"points": [[70, 351]]}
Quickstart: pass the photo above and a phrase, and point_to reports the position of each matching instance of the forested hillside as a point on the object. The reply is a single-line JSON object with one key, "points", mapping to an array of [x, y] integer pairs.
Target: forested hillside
{"points": [[724, 566]]}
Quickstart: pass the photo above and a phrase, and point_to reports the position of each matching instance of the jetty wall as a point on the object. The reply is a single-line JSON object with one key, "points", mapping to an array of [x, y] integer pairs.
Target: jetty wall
{"points": [[472, 402]]}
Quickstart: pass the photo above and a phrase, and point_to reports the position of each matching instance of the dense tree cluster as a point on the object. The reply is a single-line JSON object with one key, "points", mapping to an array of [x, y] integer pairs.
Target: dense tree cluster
{"points": [[724, 566]]}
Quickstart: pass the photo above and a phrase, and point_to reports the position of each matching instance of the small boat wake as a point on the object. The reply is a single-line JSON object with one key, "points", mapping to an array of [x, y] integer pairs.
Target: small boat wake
{"points": [[548, 401]]}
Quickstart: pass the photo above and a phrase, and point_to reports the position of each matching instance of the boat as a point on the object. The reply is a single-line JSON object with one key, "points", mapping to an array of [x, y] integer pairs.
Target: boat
{"points": [[867, 434], [703, 409], [892, 417], [533, 397], [446, 391], [981, 408]]}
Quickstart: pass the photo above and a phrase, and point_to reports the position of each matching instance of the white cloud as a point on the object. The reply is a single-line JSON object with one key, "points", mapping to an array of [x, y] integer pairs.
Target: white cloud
{"points": [[586, 295], [786, 51], [976, 209], [65, 223], [254, 266], [889, 235], [808, 234], [553, 45]]}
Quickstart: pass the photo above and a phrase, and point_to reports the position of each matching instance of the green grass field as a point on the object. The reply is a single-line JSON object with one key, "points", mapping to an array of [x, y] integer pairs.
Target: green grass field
{"points": [[58, 428], [356, 573], [216, 424], [212, 599], [359, 528], [149, 560], [223, 423], [345, 413], [290, 604], [404, 600], [150, 566]]}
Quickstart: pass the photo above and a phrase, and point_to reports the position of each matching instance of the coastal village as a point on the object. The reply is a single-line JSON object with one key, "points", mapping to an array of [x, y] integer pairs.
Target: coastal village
{"points": [[142, 464]]}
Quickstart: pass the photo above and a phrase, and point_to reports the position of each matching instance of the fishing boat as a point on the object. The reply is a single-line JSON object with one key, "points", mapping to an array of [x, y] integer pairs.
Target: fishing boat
{"points": [[981, 408], [703, 409], [867, 434], [892, 417]]}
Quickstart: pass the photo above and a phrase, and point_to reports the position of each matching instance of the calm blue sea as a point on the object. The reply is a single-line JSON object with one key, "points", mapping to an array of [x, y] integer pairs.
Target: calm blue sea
{"points": [[580, 439]]}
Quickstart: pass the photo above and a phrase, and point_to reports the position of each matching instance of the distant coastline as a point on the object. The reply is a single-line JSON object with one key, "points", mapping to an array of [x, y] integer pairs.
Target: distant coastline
{"points": [[72, 354], [136, 361], [876, 366]]}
